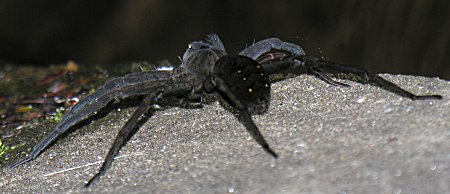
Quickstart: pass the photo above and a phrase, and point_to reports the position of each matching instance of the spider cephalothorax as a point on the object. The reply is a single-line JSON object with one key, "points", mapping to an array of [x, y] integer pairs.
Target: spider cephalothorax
{"points": [[242, 81]]}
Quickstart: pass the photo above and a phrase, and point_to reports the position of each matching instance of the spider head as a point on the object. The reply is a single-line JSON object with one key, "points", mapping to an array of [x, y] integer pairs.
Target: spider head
{"points": [[245, 79]]}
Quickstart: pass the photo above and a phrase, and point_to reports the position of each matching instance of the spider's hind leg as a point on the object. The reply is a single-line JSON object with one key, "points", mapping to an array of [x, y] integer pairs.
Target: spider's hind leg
{"points": [[129, 85], [177, 91]]}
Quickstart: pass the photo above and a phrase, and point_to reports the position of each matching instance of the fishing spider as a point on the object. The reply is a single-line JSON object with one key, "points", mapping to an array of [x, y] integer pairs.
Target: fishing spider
{"points": [[207, 70]]}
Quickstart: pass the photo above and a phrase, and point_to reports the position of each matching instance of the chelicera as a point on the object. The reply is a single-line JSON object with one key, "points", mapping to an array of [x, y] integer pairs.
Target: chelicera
{"points": [[242, 81]]}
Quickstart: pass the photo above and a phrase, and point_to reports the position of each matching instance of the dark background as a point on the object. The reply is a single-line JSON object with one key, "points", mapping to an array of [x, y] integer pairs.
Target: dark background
{"points": [[401, 36]]}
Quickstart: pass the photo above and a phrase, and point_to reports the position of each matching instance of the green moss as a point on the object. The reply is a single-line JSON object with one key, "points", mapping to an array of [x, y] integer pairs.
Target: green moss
{"points": [[58, 115], [4, 149]]}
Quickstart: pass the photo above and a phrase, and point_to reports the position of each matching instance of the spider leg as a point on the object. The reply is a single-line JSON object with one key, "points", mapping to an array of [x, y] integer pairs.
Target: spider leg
{"points": [[365, 75], [130, 85], [264, 46], [124, 133], [315, 65], [128, 129], [225, 91], [277, 62], [325, 77], [266, 52]]}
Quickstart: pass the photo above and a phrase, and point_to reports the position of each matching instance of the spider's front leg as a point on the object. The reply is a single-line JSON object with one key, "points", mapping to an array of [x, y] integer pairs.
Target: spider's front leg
{"points": [[251, 127], [272, 54], [169, 94], [316, 66], [129, 85], [262, 47], [277, 56], [243, 84]]}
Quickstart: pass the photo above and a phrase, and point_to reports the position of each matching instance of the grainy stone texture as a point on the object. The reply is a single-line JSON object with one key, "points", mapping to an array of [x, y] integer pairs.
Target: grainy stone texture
{"points": [[330, 140]]}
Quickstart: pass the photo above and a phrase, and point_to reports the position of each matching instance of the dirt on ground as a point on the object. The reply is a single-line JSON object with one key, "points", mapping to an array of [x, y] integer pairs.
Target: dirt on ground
{"points": [[330, 139]]}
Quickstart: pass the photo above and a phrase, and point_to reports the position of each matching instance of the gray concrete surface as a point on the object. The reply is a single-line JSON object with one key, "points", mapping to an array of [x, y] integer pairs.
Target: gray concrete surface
{"points": [[330, 140]]}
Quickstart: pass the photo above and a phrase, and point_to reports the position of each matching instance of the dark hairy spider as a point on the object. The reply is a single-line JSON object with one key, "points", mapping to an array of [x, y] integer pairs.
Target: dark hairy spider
{"points": [[242, 81]]}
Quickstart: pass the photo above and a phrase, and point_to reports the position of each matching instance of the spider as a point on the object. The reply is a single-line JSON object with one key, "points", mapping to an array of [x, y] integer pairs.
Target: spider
{"points": [[243, 82]]}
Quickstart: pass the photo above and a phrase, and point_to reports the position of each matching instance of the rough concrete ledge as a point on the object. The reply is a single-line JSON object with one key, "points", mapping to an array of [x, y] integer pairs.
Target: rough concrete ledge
{"points": [[330, 140]]}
